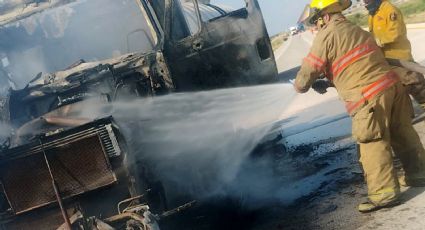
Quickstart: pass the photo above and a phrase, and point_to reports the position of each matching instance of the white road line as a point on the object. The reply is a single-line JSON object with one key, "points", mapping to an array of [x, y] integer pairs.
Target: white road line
{"points": [[283, 48]]}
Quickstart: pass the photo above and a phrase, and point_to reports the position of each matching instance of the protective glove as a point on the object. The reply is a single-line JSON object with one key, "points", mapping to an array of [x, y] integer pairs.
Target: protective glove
{"points": [[321, 86]]}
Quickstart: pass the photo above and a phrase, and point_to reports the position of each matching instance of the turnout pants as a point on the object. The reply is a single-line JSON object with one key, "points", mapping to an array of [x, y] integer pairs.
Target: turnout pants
{"points": [[382, 125]]}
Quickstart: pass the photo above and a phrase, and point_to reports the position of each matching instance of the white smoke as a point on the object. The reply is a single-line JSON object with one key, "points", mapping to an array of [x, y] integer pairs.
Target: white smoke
{"points": [[5, 132], [55, 38], [197, 143]]}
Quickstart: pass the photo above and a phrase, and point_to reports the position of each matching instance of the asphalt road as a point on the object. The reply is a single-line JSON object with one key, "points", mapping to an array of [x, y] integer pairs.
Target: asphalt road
{"points": [[321, 121]]}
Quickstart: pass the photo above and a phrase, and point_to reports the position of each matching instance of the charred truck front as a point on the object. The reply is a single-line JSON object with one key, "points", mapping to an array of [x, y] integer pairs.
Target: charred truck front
{"points": [[62, 167]]}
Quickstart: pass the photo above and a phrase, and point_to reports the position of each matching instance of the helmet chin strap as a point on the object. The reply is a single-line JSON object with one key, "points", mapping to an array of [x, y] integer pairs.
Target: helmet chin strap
{"points": [[321, 23], [373, 6]]}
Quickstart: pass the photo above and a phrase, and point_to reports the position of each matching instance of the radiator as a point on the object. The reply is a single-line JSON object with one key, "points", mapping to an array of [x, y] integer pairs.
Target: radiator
{"points": [[79, 160]]}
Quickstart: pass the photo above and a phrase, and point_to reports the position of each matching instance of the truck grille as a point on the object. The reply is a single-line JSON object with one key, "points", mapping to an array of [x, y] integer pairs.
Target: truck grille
{"points": [[78, 160]]}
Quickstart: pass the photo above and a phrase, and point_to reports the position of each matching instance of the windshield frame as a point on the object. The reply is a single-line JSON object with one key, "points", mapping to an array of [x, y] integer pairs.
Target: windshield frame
{"points": [[153, 22]]}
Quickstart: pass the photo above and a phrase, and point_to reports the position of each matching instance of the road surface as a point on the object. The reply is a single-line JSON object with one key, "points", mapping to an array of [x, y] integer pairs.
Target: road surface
{"points": [[328, 198]]}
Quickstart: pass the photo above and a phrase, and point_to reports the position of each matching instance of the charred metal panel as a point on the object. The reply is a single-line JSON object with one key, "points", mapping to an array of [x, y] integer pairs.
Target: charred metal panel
{"points": [[125, 77], [96, 127], [231, 50]]}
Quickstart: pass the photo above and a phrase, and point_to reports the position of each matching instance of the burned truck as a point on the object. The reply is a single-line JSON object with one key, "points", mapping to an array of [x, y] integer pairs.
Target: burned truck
{"points": [[64, 168]]}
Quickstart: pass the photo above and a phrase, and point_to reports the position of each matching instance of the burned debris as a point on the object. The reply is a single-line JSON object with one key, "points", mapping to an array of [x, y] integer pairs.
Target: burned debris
{"points": [[63, 167]]}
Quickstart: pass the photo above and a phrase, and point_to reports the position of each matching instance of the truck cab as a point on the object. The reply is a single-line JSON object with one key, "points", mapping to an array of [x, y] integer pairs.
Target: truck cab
{"points": [[64, 167]]}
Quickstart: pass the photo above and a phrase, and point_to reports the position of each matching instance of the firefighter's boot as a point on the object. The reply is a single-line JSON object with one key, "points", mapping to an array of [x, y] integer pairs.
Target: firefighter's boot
{"points": [[369, 206]]}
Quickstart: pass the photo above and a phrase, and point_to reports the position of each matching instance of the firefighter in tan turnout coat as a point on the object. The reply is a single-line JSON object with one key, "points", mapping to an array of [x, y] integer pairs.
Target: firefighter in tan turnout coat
{"points": [[380, 108]]}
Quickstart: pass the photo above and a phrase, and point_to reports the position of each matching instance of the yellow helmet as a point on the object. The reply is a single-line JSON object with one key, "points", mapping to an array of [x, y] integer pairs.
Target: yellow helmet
{"points": [[318, 8], [324, 4]]}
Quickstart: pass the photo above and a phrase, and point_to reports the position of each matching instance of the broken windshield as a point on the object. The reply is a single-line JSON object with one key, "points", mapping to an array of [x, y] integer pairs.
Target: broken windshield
{"points": [[45, 36]]}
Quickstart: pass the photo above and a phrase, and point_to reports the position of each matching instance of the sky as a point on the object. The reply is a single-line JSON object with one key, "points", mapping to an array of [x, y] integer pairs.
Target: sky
{"points": [[278, 14], [281, 14]]}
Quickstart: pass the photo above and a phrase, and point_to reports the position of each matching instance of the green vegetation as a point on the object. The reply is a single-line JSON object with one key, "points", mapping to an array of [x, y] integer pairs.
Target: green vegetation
{"points": [[359, 19], [413, 12], [278, 40], [412, 7]]}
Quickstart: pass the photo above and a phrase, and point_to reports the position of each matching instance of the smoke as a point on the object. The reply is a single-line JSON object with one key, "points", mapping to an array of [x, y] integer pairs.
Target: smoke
{"points": [[197, 144], [56, 38], [5, 132], [5, 129]]}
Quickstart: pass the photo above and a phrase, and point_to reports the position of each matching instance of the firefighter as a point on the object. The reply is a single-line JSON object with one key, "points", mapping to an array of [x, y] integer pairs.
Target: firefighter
{"points": [[378, 104], [387, 25]]}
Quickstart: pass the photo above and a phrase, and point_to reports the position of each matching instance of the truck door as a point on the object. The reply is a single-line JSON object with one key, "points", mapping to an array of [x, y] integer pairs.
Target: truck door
{"points": [[209, 45]]}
